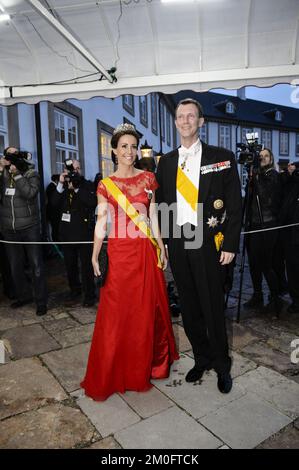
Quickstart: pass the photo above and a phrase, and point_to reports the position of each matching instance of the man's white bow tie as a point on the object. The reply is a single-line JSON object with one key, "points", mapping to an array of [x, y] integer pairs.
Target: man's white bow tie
{"points": [[187, 153]]}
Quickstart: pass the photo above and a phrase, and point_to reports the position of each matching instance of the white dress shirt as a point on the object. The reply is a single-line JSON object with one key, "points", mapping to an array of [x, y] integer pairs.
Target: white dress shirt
{"points": [[192, 159]]}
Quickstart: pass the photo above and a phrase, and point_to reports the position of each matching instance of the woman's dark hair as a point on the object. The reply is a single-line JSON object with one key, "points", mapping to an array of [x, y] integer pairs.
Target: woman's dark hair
{"points": [[123, 129]]}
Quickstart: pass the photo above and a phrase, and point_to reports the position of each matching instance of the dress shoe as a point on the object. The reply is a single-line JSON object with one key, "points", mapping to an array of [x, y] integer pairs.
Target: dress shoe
{"points": [[255, 301], [293, 308], [225, 382], [21, 303], [41, 310], [195, 373], [88, 302]]}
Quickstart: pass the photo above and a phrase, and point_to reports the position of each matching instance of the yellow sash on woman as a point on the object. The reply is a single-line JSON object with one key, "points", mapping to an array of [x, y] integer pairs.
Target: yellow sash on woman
{"points": [[131, 212]]}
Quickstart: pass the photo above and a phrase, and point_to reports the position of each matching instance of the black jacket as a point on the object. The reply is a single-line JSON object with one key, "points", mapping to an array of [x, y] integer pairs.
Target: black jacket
{"points": [[81, 207], [223, 186], [266, 185], [21, 210], [289, 211]]}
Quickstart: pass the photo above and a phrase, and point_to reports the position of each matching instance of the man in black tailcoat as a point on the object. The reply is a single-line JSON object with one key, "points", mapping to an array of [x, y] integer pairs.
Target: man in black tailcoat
{"points": [[202, 238]]}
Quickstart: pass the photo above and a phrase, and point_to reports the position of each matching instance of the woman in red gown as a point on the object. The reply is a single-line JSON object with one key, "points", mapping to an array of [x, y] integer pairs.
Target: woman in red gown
{"points": [[133, 340]]}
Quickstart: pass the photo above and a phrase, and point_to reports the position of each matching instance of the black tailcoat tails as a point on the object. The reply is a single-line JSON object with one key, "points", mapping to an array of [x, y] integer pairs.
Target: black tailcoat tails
{"points": [[197, 272]]}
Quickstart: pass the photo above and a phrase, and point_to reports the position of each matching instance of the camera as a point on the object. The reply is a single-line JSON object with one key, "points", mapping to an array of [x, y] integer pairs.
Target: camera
{"points": [[248, 154], [73, 176], [20, 159]]}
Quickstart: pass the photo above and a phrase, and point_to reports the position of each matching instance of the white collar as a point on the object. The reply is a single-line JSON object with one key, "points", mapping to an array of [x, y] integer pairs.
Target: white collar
{"points": [[193, 149]]}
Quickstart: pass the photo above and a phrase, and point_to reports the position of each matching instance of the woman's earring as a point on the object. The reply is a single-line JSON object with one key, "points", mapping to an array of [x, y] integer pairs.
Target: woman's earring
{"points": [[116, 161]]}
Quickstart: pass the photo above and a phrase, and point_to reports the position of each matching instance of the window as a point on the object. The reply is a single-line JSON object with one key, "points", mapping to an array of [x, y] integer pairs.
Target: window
{"points": [[168, 136], [3, 129], [162, 118], [297, 145], [128, 104], [203, 133], [225, 136], [284, 143], [266, 138], [107, 167], [66, 138], [154, 113], [278, 116], [143, 110], [230, 108]]}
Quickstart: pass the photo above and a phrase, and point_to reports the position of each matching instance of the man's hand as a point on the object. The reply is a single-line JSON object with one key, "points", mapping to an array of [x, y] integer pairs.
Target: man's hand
{"points": [[62, 176], [4, 163], [13, 170], [226, 257]]}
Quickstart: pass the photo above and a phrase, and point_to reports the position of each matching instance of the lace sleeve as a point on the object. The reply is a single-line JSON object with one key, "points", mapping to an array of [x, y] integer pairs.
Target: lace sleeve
{"points": [[102, 190], [153, 182]]}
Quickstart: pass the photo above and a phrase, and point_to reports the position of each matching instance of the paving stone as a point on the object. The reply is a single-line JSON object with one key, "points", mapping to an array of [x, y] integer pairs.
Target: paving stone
{"points": [[107, 443], [51, 427], [72, 336], [240, 336], [197, 399], [59, 315], [240, 364], [181, 339], [274, 388], [171, 429], [262, 354], [245, 422], [84, 315], [29, 341], [27, 385], [8, 320], [282, 342], [148, 403], [288, 438], [58, 325], [68, 365], [108, 416], [296, 423], [224, 447]]}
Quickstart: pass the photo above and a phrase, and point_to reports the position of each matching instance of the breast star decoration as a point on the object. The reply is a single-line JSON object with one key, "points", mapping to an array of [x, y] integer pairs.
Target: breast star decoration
{"points": [[212, 222]]}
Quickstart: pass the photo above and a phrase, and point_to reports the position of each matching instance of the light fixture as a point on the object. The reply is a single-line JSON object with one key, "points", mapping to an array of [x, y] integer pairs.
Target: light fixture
{"points": [[146, 150], [4, 17]]}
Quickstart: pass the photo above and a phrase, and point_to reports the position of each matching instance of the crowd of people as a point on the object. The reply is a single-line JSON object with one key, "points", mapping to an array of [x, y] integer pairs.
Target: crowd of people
{"points": [[133, 340]]}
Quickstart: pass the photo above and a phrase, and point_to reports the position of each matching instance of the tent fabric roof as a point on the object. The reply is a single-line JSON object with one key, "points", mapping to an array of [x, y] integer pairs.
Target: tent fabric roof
{"points": [[155, 46]]}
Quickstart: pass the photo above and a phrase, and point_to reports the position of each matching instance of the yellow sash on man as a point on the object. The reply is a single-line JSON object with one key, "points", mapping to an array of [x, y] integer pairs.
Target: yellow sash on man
{"points": [[187, 189], [131, 212]]}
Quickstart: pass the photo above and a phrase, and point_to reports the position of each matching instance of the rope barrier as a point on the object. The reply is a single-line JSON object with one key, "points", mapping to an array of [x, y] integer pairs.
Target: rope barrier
{"points": [[105, 241]]}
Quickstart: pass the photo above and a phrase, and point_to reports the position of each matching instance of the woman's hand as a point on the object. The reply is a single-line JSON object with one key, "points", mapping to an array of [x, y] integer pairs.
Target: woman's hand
{"points": [[163, 259], [96, 268]]}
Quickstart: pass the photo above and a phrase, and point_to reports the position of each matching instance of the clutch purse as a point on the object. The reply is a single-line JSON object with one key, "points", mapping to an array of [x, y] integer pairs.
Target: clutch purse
{"points": [[103, 265]]}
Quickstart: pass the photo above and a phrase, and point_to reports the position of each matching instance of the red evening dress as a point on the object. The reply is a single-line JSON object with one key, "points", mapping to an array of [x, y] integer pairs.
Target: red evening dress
{"points": [[133, 339]]}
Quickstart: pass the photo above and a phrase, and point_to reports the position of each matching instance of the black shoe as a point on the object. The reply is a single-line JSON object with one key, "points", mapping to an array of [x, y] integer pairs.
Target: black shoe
{"points": [[293, 308], [274, 306], [21, 303], [225, 382], [88, 303], [41, 310], [195, 373], [255, 301]]}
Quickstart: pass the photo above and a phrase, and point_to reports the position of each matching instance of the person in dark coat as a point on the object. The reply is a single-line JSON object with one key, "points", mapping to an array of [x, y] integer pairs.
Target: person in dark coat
{"points": [[53, 215], [289, 214], [75, 202], [202, 239], [265, 191]]}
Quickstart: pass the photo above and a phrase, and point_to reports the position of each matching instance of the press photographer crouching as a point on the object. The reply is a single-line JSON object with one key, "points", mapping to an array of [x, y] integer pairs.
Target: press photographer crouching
{"points": [[289, 214], [264, 199], [20, 222], [75, 199]]}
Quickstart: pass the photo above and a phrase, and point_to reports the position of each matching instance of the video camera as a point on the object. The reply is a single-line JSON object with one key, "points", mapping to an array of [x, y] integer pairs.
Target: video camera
{"points": [[73, 176], [248, 154], [20, 159]]}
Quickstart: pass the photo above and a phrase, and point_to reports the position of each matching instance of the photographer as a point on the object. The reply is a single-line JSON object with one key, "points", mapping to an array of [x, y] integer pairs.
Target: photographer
{"points": [[289, 214], [20, 222], [264, 195], [75, 199]]}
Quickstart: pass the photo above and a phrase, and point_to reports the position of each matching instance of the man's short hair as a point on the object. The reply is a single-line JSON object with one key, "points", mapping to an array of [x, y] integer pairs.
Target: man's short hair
{"points": [[191, 101]]}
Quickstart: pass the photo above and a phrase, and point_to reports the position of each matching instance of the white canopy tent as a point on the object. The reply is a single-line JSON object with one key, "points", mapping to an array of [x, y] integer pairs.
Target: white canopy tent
{"points": [[59, 49]]}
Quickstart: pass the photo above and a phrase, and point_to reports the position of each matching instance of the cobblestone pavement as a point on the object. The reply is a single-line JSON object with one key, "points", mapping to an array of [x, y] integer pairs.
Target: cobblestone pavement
{"points": [[42, 406]]}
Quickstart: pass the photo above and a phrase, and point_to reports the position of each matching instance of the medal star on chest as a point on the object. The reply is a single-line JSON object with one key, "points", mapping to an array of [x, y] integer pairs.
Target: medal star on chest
{"points": [[212, 222]]}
